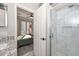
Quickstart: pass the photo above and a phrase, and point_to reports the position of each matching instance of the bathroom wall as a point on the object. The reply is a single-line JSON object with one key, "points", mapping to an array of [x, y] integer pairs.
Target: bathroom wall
{"points": [[7, 34]]}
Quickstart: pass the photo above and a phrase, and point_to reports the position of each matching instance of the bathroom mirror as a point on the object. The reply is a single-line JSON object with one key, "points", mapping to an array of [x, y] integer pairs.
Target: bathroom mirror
{"points": [[3, 14]]}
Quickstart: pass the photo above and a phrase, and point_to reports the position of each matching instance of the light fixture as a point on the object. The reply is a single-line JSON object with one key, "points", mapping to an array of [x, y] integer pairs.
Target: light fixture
{"points": [[31, 16]]}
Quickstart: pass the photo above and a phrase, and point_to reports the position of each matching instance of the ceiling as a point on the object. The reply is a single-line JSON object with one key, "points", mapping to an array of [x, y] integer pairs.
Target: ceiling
{"points": [[32, 6], [23, 13]]}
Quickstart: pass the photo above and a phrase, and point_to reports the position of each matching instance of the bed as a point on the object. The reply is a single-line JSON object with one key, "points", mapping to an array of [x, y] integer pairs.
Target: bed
{"points": [[24, 40]]}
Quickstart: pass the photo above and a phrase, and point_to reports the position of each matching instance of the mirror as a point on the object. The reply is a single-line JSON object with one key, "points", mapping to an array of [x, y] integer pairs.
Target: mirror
{"points": [[3, 14]]}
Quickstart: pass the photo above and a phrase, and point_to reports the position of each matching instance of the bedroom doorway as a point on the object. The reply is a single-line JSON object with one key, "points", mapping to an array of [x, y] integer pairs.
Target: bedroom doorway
{"points": [[24, 32]]}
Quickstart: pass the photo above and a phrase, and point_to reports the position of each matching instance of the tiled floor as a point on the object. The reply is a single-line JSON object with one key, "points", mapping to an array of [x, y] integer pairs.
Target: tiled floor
{"points": [[25, 50]]}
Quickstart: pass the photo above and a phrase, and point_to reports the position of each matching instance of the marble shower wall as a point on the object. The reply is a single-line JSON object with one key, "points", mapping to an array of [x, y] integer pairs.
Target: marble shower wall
{"points": [[65, 29]]}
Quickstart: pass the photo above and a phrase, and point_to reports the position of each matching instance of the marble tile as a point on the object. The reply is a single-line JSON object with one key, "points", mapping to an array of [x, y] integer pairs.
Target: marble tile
{"points": [[8, 46]]}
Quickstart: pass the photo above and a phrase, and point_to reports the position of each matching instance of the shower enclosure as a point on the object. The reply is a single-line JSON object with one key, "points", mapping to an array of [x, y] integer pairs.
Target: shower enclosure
{"points": [[64, 30]]}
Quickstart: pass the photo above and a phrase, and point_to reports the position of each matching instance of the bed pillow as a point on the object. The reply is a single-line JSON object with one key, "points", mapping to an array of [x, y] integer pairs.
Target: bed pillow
{"points": [[20, 37], [27, 36]]}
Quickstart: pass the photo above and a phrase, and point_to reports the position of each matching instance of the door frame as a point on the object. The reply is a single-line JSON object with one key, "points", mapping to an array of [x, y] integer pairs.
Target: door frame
{"points": [[48, 10], [26, 9]]}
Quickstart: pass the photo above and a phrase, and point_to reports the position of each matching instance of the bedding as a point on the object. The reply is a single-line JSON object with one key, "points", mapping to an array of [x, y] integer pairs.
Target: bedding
{"points": [[20, 37], [24, 40], [27, 36]]}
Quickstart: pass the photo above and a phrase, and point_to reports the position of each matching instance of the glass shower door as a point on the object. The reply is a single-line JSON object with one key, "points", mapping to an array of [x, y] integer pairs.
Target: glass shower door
{"points": [[65, 31]]}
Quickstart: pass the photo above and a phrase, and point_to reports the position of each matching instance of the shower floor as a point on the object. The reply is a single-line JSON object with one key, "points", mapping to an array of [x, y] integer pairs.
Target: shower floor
{"points": [[25, 50]]}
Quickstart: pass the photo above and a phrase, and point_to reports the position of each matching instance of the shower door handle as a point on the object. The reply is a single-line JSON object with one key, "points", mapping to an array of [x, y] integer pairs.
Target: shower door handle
{"points": [[43, 38], [51, 36]]}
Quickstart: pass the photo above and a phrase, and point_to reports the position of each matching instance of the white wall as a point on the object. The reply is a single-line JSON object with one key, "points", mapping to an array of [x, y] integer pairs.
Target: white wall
{"points": [[12, 19]]}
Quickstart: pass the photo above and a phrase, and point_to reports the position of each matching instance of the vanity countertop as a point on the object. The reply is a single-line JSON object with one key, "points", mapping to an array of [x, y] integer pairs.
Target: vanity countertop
{"points": [[8, 46]]}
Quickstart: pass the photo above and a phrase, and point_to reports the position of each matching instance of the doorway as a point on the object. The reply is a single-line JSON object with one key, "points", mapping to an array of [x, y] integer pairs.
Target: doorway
{"points": [[24, 32]]}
